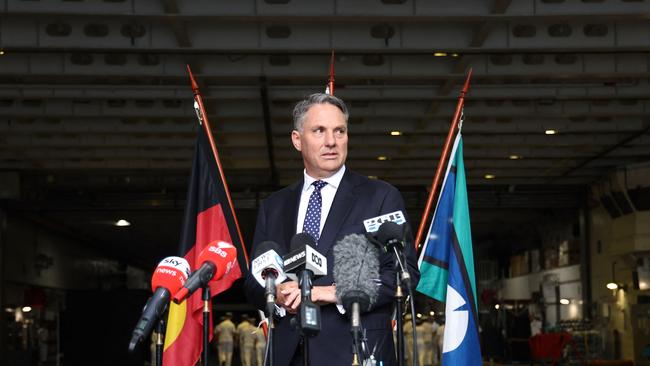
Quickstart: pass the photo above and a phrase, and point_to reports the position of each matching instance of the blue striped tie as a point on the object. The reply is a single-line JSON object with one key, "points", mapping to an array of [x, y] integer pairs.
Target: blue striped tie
{"points": [[311, 225]]}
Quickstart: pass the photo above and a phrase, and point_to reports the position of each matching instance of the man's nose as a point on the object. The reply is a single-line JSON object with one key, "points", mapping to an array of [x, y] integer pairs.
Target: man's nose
{"points": [[330, 140]]}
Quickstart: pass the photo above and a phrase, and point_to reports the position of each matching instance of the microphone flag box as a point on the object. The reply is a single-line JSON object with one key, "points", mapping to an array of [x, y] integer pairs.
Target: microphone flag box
{"points": [[306, 258], [269, 260], [373, 224]]}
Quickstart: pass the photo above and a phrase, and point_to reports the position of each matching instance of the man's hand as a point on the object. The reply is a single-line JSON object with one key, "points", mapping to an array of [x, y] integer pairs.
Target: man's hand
{"points": [[288, 296], [324, 295]]}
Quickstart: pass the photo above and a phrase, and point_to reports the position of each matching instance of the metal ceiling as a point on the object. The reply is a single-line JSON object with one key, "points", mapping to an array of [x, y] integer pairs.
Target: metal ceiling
{"points": [[96, 114]]}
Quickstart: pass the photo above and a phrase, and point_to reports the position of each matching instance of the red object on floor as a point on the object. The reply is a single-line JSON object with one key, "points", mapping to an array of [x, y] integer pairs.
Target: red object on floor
{"points": [[548, 346]]}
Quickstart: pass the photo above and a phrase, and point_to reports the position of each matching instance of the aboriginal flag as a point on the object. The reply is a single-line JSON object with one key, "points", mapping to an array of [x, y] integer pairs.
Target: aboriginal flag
{"points": [[208, 217]]}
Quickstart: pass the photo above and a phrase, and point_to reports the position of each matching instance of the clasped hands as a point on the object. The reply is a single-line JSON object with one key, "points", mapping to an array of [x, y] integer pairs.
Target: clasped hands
{"points": [[288, 295]]}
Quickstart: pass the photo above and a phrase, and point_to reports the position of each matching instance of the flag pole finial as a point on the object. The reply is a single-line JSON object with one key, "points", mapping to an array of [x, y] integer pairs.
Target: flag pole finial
{"points": [[330, 82], [194, 85], [467, 81]]}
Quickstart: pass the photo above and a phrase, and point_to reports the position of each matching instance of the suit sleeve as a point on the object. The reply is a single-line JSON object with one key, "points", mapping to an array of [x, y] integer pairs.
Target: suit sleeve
{"points": [[255, 292], [387, 272]]}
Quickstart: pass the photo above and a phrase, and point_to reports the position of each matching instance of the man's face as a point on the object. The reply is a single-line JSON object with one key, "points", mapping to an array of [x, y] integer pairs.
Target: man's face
{"points": [[323, 141]]}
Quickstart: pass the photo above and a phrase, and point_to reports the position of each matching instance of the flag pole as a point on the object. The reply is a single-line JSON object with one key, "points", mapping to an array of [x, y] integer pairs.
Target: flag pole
{"points": [[443, 159], [203, 119], [330, 81]]}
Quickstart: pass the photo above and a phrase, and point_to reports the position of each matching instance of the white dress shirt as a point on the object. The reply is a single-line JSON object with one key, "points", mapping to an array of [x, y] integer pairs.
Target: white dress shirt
{"points": [[327, 193]]}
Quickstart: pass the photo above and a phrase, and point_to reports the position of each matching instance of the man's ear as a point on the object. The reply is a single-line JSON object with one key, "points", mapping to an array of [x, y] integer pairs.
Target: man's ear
{"points": [[295, 139]]}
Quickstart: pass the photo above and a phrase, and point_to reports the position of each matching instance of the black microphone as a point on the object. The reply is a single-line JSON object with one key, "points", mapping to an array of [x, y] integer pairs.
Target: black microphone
{"points": [[392, 237], [268, 269], [303, 262], [170, 275], [356, 272]]}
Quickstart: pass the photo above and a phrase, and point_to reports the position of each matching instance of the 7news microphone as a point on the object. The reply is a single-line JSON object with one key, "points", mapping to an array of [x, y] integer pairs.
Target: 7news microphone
{"points": [[215, 261], [170, 275], [303, 263], [268, 269]]}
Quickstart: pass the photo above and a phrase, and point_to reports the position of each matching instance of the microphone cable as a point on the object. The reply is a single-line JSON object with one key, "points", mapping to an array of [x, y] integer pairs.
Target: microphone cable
{"points": [[268, 361]]}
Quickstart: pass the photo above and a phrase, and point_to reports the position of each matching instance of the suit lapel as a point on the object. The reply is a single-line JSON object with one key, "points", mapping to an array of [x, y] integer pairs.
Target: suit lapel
{"points": [[343, 202], [292, 213]]}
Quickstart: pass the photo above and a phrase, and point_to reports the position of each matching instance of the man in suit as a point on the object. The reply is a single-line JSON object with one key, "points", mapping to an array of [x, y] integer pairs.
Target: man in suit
{"points": [[329, 203]]}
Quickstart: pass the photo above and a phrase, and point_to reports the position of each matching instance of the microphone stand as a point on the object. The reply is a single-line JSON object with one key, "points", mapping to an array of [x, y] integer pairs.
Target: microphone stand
{"points": [[356, 339], [399, 300], [403, 277], [309, 314], [206, 324], [160, 330], [268, 350], [270, 309]]}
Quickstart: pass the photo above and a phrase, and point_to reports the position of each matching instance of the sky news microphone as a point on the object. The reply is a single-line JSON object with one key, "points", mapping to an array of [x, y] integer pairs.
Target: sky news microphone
{"points": [[268, 269], [215, 260], [170, 275]]}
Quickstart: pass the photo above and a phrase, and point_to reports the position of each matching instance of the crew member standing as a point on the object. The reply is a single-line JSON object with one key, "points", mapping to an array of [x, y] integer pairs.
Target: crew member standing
{"points": [[260, 346], [225, 334], [246, 336]]}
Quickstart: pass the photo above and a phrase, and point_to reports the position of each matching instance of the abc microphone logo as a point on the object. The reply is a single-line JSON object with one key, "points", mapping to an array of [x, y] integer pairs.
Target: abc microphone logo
{"points": [[318, 261]]}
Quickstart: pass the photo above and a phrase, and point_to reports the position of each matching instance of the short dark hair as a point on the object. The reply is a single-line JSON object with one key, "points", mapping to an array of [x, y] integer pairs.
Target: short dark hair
{"points": [[303, 106]]}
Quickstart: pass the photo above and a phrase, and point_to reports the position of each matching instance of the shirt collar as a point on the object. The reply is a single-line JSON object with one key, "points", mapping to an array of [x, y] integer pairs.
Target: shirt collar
{"points": [[334, 180]]}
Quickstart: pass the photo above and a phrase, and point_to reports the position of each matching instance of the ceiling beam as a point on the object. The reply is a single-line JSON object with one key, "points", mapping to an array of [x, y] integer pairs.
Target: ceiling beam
{"points": [[607, 150], [268, 131]]}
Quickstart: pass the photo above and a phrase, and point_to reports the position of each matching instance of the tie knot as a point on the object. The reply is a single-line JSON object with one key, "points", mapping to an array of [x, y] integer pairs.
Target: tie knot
{"points": [[319, 184]]}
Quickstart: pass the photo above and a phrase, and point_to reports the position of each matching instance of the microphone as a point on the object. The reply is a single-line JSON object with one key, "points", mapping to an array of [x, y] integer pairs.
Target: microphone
{"points": [[303, 263], [215, 260], [373, 224], [356, 272], [268, 269], [170, 275], [303, 257], [393, 236]]}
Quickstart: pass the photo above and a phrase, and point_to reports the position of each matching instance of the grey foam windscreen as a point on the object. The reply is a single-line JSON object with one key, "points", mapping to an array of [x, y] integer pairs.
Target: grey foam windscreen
{"points": [[356, 271]]}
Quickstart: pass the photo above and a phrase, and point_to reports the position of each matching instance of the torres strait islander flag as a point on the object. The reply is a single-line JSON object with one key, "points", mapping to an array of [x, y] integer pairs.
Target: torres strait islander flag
{"points": [[447, 266], [208, 217]]}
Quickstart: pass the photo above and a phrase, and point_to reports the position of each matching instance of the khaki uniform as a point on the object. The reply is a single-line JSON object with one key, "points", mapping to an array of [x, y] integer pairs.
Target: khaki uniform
{"points": [[225, 333], [245, 332], [440, 335], [424, 352], [260, 346]]}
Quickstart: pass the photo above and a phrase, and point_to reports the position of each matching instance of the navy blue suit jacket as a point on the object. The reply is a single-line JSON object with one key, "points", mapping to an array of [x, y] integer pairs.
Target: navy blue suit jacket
{"points": [[357, 198]]}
